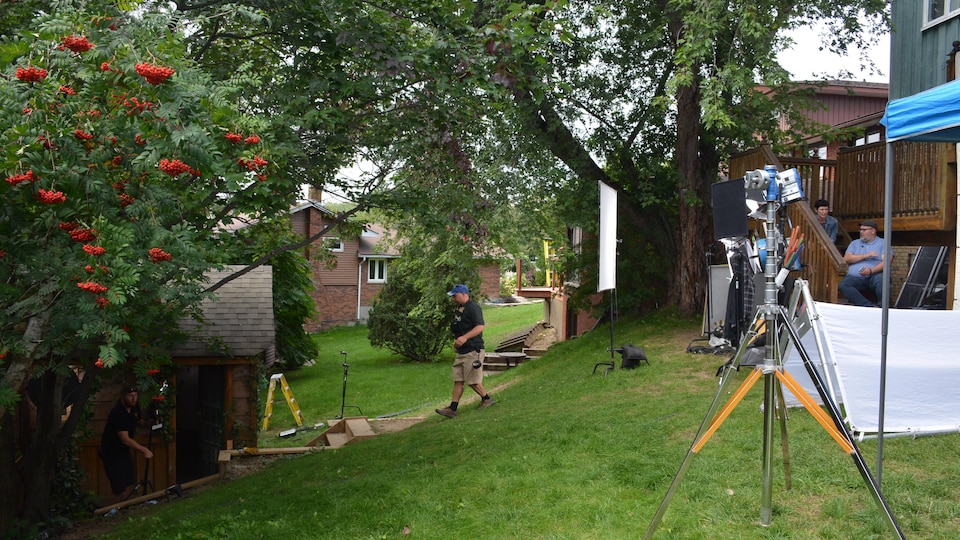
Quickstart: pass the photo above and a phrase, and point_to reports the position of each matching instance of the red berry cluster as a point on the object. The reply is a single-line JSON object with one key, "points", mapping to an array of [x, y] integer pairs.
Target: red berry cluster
{"points": [[102, 302], [51, 197], [91, 269], [158, 255], [233, 137], [253, 139], [27, 110], [140, 140], [153, 74], [18, 178], [31, 74], [175, 167], [67, 225], [105, 66], [67, 90], [82, 135], [126, 199], [135, 105], [252, 164], [92, 287], [99, 363], [96, 251], [77, 44], [83, 235], [46, 143], [117, 160]]}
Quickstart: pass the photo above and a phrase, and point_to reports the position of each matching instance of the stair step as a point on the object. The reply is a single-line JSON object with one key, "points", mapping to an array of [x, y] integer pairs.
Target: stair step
{"points": [[359, 428], [336, 440]]}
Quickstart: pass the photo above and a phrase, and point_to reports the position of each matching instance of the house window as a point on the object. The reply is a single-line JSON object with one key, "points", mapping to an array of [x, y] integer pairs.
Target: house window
{"points": [[333, 244], [817, 152], [940, 9], [376, 271]]}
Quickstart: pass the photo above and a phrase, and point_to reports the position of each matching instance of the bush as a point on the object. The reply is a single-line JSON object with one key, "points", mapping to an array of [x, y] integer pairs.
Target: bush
{"points": [[393, 325]]}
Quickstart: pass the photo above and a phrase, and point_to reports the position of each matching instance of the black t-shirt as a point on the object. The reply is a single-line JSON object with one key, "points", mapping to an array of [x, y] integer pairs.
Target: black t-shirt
{"points": [[465, 318], [119, 420]]}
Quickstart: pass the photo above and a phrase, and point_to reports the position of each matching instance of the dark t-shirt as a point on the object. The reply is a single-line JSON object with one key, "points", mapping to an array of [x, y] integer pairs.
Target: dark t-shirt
{"points": [[119, 420], [466, 317]]}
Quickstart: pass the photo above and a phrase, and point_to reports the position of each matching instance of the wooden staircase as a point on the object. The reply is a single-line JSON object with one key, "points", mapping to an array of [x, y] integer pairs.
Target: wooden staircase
{"points": [[516, 349]]}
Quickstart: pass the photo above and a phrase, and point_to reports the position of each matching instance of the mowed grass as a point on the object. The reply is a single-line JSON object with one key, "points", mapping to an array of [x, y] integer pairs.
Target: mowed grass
{"points": [[379, 382], [566, 454]]}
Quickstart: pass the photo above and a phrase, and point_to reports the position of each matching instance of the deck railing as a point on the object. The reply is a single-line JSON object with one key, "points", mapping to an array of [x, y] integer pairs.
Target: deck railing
{"points": [[924, 186]]}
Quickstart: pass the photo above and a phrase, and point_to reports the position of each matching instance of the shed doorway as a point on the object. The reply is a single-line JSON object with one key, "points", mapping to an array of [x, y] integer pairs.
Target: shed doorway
{"points": [[200, 417]]}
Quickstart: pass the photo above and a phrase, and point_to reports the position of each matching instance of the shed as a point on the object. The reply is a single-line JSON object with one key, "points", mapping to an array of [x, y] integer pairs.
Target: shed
{"points": [[214, 384]]}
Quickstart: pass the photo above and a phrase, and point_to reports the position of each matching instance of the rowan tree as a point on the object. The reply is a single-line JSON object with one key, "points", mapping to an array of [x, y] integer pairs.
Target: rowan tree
{"points": [[121, 162]]}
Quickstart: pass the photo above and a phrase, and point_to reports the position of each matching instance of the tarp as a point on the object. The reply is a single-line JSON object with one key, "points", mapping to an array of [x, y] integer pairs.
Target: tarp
{"points": [[923, 367], [930, 116]]}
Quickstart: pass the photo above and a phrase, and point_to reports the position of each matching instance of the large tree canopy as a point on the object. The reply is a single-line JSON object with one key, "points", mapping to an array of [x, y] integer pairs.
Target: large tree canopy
{"points": [[649, 96]]}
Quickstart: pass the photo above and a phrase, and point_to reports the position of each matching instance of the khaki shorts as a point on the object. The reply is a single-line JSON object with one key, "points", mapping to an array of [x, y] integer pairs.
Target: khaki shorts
{"points": [[463, 370]]}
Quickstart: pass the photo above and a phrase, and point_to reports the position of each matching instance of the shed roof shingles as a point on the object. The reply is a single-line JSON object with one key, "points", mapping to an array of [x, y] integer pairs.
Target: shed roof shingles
{"points": [[238, 321]]}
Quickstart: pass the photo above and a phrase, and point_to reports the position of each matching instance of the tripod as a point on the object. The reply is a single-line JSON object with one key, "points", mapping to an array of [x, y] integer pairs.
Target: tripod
{"points": [[144, 486], [343, 399], [773, 318]]}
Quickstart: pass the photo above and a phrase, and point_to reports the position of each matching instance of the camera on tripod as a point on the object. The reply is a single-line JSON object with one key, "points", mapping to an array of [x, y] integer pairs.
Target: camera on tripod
{"points": [[784, 187]]}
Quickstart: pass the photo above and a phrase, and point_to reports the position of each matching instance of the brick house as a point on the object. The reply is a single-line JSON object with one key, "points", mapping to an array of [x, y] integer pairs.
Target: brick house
{"points": [[344, 289]]}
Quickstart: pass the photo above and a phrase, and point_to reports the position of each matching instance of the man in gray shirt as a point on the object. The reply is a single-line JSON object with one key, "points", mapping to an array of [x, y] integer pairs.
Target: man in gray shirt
{"points": [[865, 264]]}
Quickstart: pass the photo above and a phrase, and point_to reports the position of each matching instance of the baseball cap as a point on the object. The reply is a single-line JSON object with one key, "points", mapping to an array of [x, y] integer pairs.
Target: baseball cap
{"points": [[129, 390], [461, 288], [870, 223]]}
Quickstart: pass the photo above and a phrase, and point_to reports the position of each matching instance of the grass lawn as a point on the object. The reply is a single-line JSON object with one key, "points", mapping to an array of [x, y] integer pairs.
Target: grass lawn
{"points": [[565, 453]]}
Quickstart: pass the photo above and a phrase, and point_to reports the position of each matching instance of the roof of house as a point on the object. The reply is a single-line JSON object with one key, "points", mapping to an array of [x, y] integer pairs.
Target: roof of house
{"points": [[238, 322], [373, 244], [310, 203]]}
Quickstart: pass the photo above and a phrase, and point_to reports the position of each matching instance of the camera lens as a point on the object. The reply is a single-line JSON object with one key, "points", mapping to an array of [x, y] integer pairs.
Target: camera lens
{"points": [[477, 364]]}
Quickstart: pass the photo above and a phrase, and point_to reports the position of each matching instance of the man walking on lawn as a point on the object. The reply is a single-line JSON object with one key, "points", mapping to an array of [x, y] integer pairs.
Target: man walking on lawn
{"points": [[467, 328]]}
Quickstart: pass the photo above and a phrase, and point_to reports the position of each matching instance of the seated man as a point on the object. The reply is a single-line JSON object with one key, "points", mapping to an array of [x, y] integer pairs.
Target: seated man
{"points": [[864, 258]]}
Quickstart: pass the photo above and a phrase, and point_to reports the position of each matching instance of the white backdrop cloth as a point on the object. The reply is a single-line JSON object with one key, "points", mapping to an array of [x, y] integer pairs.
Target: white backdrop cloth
{"points": [[923, 367]]}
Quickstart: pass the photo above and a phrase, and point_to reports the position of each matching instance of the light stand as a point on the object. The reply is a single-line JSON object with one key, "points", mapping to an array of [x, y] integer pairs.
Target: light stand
{"points": [[775, 322], [613, 315], [343, 399]]}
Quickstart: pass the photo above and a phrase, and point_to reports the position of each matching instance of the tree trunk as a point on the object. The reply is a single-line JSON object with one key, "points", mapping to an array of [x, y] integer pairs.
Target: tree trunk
{"points": [[9, 478], [693, 227], [40, 457]]}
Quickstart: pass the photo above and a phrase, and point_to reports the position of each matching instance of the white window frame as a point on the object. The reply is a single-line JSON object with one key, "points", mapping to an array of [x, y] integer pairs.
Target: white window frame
{"points": [[333, 243], [951, 9], [378, 267]]}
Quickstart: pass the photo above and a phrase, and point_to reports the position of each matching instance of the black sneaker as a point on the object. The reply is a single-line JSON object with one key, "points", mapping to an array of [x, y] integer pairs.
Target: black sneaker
{"points": [[447, 411]]}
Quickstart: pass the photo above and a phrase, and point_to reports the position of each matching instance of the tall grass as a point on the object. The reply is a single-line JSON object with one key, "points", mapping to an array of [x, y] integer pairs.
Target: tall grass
{"points": [[566, 453]]}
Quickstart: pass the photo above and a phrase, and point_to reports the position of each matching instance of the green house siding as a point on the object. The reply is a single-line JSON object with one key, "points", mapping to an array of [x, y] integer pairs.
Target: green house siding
{"points": [[918, 55]]}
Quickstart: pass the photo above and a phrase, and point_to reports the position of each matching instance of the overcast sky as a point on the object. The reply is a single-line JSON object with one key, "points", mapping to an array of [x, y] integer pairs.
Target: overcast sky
{"points": [[805, 61]]}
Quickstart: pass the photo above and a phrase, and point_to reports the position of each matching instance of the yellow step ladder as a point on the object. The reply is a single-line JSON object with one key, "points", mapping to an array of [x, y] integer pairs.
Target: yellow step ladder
{"points": [[288, 394]]}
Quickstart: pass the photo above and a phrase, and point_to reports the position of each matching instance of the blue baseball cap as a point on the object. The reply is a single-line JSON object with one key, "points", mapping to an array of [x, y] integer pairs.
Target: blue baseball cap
{"points": [[461, 288]]}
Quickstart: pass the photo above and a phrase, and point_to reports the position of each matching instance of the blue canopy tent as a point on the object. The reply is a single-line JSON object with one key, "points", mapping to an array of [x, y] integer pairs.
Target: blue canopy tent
{"points": [[930, 116]]}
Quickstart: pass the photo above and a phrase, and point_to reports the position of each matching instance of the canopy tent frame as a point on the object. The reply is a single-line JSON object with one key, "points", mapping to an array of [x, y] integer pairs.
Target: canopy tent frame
{"points": [[929, 116]]}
